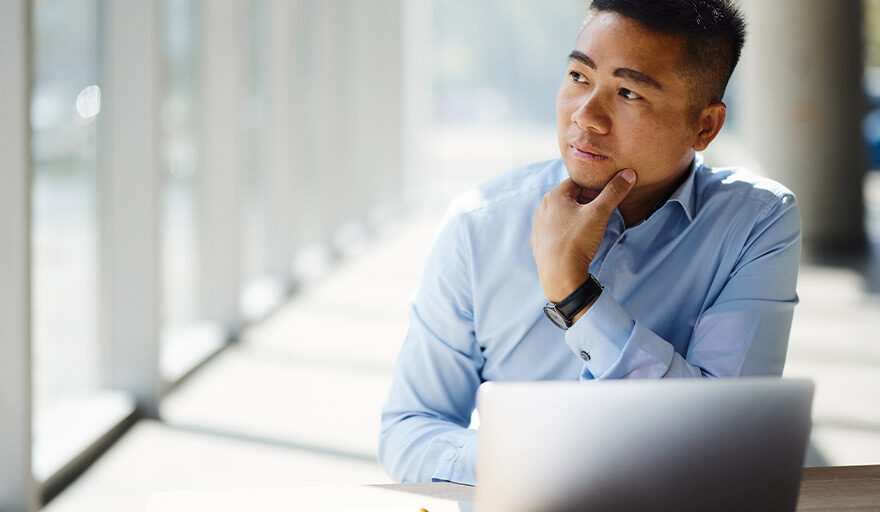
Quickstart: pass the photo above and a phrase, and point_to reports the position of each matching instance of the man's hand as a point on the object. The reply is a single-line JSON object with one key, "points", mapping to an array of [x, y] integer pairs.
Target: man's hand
{"points": [[568, 230]]}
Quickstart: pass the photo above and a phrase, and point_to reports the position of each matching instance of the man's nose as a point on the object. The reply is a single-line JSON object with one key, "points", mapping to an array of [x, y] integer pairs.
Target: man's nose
{"points": [[592, 114]]}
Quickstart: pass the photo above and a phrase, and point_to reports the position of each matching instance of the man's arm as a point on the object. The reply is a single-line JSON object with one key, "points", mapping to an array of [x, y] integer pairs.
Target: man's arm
{"points": [[424, 422], [566, 234], [743, 332]]}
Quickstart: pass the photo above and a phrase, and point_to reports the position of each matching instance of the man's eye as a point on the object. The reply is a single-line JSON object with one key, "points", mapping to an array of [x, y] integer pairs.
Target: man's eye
{"points": [[626, 93], [577, 77]]}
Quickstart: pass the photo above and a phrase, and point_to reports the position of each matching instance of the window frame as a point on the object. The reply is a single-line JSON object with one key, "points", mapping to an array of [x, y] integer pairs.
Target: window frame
{"points": [[17, 487]]}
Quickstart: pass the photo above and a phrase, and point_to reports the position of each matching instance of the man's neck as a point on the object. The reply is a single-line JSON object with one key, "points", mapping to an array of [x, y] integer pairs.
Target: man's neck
{"points": [[641, 203]]}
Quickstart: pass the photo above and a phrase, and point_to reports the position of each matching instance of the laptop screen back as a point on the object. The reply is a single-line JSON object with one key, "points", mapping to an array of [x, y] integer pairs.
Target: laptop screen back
{"points": [[729, 444]]}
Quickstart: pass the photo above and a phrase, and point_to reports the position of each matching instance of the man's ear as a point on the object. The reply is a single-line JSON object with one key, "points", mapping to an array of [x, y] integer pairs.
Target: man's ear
{"points": [[708, 124]]}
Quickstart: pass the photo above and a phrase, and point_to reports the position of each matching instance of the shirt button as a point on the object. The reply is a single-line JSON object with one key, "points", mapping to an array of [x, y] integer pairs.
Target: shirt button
{"points": [[585, 356], [622, 239]]}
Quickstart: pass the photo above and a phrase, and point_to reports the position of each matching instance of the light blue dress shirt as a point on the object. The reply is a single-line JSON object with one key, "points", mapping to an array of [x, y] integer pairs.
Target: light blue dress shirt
{"points": [[705, 287]]}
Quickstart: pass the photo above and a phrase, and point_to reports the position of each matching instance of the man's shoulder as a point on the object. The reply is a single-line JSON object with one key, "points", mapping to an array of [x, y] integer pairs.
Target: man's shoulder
{"points": [[524, 184], [716, 185]]}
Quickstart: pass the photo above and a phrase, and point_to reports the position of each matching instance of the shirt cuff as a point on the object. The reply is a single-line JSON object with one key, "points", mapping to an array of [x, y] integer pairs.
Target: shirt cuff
{"points": [[458, 465], [600, 334]]}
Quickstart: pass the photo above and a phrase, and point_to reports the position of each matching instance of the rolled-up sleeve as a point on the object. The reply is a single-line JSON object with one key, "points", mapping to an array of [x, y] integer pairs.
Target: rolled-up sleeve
{"points": [[744, 331]]}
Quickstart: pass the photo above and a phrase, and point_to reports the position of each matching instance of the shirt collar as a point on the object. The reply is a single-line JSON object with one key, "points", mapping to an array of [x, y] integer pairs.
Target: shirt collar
{"points": [[684, 194]]}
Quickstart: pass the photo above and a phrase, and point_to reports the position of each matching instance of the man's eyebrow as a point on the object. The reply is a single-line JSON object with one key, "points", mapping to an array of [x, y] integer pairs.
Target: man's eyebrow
{"points": [[627, 73], [582, 57], [637, 76]]}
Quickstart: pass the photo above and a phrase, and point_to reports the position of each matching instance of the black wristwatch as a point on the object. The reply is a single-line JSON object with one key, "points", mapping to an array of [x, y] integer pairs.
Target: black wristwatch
{"points": [[565, 310]]}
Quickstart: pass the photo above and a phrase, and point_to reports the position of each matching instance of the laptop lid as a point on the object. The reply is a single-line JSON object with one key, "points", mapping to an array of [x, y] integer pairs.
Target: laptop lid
{"points": [[703, 444]]}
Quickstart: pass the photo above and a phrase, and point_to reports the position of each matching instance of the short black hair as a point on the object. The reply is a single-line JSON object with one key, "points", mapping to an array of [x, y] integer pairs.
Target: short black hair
{"points": [[714, 32]]}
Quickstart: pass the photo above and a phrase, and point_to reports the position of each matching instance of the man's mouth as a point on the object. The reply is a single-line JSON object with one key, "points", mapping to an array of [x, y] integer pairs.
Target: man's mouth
{"points": [[588, 154]]}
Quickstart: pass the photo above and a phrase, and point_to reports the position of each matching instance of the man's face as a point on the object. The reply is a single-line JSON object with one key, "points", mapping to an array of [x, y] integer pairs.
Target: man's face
{"points": [[623, 105]]}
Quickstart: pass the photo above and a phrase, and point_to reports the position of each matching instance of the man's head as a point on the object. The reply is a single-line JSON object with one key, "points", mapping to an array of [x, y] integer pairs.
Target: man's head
{"points": [[644, 88], [713, 31]]}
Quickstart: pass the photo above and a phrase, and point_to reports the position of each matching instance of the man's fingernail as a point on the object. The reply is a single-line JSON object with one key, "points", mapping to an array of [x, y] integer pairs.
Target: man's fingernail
{"points": [[629, 175]]}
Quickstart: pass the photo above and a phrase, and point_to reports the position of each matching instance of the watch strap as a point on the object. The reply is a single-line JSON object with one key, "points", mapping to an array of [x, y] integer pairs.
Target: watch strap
{"points": [[577, 300]]}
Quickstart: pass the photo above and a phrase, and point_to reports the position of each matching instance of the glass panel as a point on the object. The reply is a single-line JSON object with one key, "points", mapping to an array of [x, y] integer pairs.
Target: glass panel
{"points": [[872, 87], [501, 60], [257, 292], [65, 105], [186, 338], [871, 128], [496, 68], [181, 152]]}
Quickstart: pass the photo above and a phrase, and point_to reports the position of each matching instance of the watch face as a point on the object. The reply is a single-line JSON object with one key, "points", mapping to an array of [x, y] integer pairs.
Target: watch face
{"points": [[556, 317]]}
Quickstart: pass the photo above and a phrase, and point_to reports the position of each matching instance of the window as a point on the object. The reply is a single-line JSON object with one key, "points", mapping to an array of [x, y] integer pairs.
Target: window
{"points": [[261, 290], [65, 104], [187, 337]]}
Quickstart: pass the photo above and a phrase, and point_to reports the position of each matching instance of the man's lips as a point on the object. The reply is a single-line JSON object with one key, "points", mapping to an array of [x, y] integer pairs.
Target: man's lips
{"points": [[587, 153]]}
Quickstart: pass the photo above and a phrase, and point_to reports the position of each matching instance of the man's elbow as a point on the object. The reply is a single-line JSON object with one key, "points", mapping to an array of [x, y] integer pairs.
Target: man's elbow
{"points": [[384, 455], [390, 454]]}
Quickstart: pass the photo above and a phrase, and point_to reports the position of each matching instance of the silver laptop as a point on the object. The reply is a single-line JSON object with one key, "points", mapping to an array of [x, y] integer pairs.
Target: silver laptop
{"points": [[676, 445]]}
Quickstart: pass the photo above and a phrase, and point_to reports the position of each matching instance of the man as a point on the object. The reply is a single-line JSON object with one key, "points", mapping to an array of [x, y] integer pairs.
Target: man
{"points": [[653, 264]]}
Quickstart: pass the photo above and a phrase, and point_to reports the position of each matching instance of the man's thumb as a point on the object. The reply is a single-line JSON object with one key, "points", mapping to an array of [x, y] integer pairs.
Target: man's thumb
{"points": [[616, 190]]}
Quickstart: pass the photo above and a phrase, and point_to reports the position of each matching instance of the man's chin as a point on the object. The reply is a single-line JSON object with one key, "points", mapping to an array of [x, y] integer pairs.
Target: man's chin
{"points": [[591, 179]]}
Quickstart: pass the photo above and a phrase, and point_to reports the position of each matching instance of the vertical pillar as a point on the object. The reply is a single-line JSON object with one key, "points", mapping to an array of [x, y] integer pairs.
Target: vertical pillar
{"points": [[351, 106], [223, 46], [129, 178], [17, 489], [802, 109], [325, 176], [358, 102], [334, 177], [281, 133], [308, 223], [375, 117], [417, 99], [388, 21]]}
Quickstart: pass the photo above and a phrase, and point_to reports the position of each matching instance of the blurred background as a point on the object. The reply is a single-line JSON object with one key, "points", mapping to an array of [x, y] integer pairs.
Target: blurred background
{"points": [[214, 213]]}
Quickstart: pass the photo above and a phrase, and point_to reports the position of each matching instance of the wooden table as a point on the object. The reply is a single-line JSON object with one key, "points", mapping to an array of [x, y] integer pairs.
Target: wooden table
{"points": [[842, 488]]}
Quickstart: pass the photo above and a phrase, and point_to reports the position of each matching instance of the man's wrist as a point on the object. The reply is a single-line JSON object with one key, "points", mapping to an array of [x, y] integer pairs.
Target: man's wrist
{"points": [[571, 283], [572, 307], [586, 308]]}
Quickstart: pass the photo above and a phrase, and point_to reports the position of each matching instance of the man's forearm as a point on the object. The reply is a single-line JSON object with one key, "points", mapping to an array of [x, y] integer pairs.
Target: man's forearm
{"points": [[418, 448]]}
